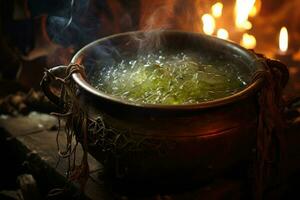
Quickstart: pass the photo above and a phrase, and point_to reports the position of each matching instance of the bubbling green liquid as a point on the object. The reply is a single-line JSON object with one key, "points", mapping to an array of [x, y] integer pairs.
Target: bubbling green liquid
{"points": [[163, 78]]}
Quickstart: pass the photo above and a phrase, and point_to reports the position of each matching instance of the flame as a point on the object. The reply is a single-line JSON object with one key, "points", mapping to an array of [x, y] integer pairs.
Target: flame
{"points": [[217, 9], [242, 11], [209, 24], [248, 41], [247, 25], [255, 9], [223, 34], [283, 39]]}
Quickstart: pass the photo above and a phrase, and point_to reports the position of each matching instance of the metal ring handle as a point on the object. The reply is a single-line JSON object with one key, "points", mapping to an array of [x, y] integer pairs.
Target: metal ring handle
{"points": [[48, 78]]}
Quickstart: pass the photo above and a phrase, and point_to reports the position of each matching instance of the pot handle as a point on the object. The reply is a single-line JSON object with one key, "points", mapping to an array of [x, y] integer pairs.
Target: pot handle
{"points": [[49, 77], [280, 70]]}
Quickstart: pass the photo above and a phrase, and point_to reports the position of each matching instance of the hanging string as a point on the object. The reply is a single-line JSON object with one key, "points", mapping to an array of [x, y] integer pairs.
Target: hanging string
{"points": [[270, 143], [76, 126]]}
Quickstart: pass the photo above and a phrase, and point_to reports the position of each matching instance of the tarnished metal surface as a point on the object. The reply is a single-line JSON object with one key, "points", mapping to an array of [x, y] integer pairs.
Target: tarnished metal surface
{"points": [[207, 138]]}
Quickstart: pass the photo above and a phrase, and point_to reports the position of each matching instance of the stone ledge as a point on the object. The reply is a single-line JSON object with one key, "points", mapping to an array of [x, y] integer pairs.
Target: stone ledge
{"points": [[33, 140]]}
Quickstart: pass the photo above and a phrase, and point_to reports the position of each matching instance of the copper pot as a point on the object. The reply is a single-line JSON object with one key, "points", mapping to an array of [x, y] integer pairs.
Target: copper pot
{"points": [[170, 143]]}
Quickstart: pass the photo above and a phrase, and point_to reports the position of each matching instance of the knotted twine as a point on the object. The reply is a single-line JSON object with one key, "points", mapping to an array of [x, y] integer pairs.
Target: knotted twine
{"points": [[270, 143], [76, 127]]}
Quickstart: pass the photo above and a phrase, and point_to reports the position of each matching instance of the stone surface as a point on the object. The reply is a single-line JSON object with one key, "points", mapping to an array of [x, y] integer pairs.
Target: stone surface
{"points": [[27, 125], [10, 195], [33, 134], [44, 144]]}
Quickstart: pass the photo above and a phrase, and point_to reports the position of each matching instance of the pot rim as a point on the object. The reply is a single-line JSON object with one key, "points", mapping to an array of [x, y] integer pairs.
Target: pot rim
{"points": [[250, 89]]}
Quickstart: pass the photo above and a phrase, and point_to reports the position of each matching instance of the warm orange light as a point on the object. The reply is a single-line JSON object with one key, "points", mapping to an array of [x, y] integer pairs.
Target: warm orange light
{"points": [[242, 10], [217, 9], [223, 34], [283, 39], [247, 25], [255, 9], [248, 41], [209, 24]]}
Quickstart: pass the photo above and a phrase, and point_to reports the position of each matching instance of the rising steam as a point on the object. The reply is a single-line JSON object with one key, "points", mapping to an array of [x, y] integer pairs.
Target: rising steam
{"points": [[85, 21], [157, 16]]}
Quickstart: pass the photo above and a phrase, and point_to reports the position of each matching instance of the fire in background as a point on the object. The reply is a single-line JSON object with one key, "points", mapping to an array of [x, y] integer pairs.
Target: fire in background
{"points": [[60, 27]]}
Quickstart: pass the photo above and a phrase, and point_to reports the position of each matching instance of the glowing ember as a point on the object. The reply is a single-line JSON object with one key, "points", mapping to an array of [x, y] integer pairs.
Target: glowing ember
{"points": [[209, 24], [248, 41], [283, 39], [223, 34], [216, 9], [242, 11]]}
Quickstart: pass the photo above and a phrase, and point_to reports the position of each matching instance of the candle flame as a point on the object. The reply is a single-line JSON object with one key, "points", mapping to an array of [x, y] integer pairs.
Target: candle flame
{"points": [[217, 9], [248, 41], [283, 39], [247, 25], [255, 9], [209, 24], [242, 11], [223, 34]]}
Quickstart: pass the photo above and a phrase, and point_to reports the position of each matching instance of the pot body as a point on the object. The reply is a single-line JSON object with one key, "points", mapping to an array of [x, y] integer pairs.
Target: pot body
{"points": [[165, 144], [176, 147]]}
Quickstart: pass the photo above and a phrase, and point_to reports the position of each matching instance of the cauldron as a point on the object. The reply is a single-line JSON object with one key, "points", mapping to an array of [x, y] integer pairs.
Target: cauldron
{"points": [[167, 144]]}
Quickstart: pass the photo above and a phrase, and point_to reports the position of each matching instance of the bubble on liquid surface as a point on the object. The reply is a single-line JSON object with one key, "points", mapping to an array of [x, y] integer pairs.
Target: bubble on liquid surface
{"points": [[169, 78]]}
